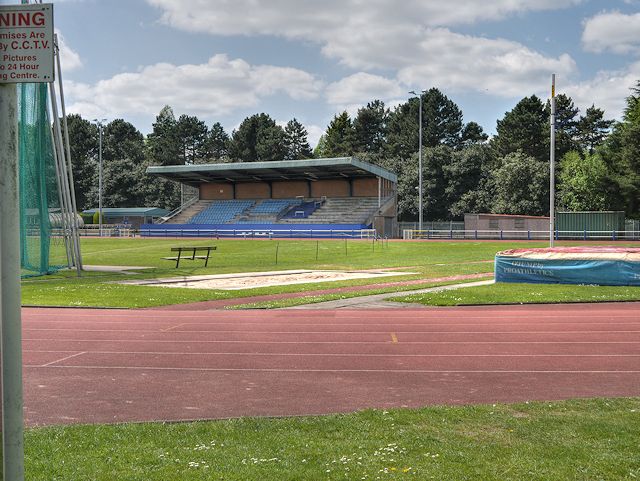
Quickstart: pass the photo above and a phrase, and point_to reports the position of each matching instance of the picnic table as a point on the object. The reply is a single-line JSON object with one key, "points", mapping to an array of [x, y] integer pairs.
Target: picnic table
{"points": [[191, 253]]}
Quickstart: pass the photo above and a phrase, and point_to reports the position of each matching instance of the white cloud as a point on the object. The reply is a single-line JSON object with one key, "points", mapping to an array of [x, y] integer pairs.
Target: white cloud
{"points": [[608, 90], [361, 88], [322, 19], [218, 87], [612, 31], [314, 133], [69, 58], [408, 38], [500, 67], [453, 62]]}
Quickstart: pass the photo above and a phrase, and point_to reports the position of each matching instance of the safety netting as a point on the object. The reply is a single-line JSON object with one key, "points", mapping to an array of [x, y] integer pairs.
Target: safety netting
{"points": [[42, 248], [606, 266]]}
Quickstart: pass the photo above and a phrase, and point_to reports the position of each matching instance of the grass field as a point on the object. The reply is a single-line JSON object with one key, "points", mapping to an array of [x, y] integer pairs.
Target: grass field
{"points": [[428, 260], [506, 293], [570, 440]]}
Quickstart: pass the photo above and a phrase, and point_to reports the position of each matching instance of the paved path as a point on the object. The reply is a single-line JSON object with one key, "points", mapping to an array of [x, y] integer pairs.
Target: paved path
{"points": [[84, 365], [379, 301]]}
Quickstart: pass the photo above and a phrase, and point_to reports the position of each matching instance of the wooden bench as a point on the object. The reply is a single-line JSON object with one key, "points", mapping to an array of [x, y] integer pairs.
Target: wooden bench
{"points": [[191, 254]]}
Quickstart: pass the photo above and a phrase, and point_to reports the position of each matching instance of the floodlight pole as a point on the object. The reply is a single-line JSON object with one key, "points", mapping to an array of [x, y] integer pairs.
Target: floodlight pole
{"points": [[552, 167], [99, 124], [419, 159], [11, 419]]}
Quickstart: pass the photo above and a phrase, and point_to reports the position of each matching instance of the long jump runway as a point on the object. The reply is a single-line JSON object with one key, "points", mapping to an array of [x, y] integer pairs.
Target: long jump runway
{"points": [[90, 365]]}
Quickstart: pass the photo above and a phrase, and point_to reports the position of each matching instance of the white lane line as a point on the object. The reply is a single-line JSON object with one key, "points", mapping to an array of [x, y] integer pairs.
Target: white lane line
{"points": [[173, 327], [333, 354], [399, 371], [363, 324], [240, 331], [63, 359], [419, 315], [195, 341]]}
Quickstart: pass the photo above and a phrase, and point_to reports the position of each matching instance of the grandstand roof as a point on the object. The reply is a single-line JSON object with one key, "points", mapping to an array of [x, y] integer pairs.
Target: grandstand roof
{"points": [[311, 169]]}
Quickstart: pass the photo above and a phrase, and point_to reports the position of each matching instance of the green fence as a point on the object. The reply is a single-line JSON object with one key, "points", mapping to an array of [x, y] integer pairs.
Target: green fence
{"points": [[40, 252]]}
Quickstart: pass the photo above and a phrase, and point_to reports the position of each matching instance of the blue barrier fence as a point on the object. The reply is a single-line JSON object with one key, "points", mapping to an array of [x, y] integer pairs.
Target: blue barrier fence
{"points": [[257, 231]]}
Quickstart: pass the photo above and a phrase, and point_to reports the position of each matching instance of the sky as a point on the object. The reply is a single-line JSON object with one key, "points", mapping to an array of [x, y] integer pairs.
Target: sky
{"points": [[224, 60]]}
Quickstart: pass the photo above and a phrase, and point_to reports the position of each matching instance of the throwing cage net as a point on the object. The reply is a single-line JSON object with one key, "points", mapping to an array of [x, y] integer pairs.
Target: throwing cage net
{"points": [[41, 251], [49, 238]]}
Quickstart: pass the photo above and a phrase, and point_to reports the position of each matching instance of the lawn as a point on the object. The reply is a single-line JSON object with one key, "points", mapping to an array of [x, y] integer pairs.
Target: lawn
{"points": [[569, 440], [508, 293], [428, 260]]}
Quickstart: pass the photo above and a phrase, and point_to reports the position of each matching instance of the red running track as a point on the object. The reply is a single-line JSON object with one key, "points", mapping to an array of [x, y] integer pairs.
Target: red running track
{"points": [[89, 365]]}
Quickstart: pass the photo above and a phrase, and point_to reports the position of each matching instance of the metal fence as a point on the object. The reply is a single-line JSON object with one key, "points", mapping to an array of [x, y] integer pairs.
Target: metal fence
{"points": [[612, 235]]}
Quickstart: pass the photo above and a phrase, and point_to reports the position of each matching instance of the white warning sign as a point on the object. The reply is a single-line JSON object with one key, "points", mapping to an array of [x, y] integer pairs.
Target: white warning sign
{"points": [[26, 43]]}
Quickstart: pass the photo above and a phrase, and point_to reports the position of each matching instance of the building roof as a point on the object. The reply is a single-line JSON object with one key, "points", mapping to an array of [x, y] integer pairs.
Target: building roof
{"points": [[130, 211], [310, 169]]}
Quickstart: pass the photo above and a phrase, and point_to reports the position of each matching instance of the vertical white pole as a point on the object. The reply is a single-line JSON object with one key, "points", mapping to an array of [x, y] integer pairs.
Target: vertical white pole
{"points": [[10, 329], [65, 206], [74, 208], [100, 176], [420, 167], [552, 167]]}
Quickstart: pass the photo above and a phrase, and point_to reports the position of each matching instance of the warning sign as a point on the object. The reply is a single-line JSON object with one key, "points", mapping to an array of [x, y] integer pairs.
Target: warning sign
{"points": [[26, 43]]}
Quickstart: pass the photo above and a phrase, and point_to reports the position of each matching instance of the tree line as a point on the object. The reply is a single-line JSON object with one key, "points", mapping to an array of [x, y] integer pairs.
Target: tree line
{"points": [[463, 170]]}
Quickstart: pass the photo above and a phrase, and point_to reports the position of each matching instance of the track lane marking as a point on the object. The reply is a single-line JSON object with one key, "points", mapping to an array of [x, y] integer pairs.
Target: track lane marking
{"points": [[174, 327], [394, 338], [424, 371], [320, 354], [161, 341], [63, 359], [339, 332]]}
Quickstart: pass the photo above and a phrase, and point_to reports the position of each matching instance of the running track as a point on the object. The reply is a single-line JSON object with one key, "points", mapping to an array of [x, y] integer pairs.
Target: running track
{"points": [[84, 365]]}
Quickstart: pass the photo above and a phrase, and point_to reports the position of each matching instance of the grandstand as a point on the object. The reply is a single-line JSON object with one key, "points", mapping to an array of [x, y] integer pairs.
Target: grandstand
{"points": [[339, 194]]}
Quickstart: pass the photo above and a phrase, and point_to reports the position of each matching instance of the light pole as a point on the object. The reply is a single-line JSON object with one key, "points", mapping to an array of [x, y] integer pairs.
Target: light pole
{"points": [[419, 159], [99, 123]]}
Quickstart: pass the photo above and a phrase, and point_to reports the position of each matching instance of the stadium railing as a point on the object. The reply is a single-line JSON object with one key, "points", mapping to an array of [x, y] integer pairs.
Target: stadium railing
{"points": [[613, 235]]}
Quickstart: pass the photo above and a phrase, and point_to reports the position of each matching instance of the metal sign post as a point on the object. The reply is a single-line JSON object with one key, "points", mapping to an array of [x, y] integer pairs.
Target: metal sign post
{"points": [[26, 55]]}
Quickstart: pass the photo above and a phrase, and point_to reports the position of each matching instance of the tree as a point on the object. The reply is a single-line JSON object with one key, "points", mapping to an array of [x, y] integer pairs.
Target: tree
{"points": [[524, 129], [123, 165], [339, 137], [296, 141], [472, 134], [83, 144], [191, 134], [592, 129], [441, 124], [621, 153], [258, 138], [163, 148], [369, 128], [566, 124], [217, 145], [467, 175], [162, 143], [581, 183], [434, 182], [320, 149], [521, 185]]}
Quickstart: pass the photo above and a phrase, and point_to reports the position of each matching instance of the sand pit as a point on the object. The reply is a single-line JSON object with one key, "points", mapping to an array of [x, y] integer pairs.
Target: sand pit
{"points": [[251, 280]]}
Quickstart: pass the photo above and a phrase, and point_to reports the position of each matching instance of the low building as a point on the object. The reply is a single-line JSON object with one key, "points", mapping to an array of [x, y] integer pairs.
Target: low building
{"points": [[505, 222], [130, 216]]}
